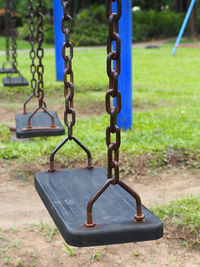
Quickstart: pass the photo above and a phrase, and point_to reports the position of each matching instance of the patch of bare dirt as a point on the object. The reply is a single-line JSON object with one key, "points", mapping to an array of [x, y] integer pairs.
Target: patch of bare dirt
{"points": [[30, 245], [138, 106], [91, 109], [7, 115]]}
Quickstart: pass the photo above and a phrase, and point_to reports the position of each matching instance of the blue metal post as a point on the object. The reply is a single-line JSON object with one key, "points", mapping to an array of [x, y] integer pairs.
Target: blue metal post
{"points": [[183, 26], [59, 39], [124, 118]]}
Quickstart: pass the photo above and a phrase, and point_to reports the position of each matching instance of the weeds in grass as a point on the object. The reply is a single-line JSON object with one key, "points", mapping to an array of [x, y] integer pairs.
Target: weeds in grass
{"points": [[33, 264], [54, 256], [7, 260], [14, 229], [2, 237], [16, 244], [10, 245], [96, 256], [184, 213], [137, 253], [52, 231], [46, 229], [4, 133], [69, 250], [19, 263], [42, 225]]}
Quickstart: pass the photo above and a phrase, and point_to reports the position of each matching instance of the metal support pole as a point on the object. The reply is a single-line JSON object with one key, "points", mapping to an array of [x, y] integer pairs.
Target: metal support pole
{"points": [[124, 119], [59, 39], [183, 26]]}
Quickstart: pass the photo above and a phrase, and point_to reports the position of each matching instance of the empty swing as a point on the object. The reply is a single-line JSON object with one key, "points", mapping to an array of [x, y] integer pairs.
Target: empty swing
{"points": [[10, 28], [45, 123], [7, 65], [69, 195]]}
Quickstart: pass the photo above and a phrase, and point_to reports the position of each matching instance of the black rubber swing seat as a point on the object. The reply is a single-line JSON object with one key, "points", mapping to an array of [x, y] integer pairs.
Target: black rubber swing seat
{"points": [[66, 193], [7, 70], [15, 81], [40, 123]]}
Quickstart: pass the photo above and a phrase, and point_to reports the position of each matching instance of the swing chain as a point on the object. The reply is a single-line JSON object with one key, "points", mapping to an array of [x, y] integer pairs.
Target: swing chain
{"points": [[68, 77], [113, 92], [113, 60], [7, 30], [40, 53], [32, 52], [13, 33], [68, 73]]}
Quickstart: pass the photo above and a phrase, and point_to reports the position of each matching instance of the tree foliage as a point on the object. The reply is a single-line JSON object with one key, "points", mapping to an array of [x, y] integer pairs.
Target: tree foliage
{"points": [[152, 4]]}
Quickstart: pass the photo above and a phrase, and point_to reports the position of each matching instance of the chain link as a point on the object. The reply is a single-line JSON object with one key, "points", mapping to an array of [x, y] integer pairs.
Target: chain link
{"points": [[40, 53], [113, 92], [68, 73], [32, 52], [13, 33]]}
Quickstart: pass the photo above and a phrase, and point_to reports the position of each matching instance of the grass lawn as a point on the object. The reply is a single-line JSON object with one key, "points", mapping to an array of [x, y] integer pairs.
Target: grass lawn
{"points": [[185, 214], [166, 99], [20, 44]]}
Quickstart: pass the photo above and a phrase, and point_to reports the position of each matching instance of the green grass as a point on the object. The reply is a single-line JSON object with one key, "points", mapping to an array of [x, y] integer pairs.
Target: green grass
{"points": [[20, 44], [184, 214], [166, 97]]}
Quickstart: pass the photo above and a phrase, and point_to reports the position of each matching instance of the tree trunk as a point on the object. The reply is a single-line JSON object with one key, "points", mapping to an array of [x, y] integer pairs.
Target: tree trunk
{"points": [[192, 30], [192, 27], [180, 5]]}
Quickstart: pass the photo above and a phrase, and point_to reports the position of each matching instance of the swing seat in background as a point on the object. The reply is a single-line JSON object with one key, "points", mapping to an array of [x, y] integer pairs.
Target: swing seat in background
{"points": [[15, 81], [40, 123], [66, 193], [7, 70]]}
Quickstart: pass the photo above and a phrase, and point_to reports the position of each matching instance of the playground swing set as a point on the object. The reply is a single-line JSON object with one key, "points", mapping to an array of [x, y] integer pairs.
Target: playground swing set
{"points": [[45, 122], [9, 67], [69, 195]]}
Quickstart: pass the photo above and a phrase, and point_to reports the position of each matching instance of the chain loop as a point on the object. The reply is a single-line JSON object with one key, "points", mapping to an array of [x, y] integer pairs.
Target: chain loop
{"points": [[68, 77]]}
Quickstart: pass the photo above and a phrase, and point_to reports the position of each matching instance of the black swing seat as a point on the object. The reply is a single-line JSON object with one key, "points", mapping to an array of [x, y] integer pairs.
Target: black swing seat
{"points": [[7, 70], [40, 123], [15, 81], [66, 193]]}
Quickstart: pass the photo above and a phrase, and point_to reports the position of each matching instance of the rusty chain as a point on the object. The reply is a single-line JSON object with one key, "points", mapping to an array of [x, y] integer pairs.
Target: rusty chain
{"points": [[40, 53], [13, 33], [7, 30], [32, 52], [66, 25], [113, 72], [68, 73], [113, 92], [40, 67]]}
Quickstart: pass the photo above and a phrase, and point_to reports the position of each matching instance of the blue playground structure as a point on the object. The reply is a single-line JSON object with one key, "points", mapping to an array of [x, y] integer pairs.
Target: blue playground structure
{"points": [[125, 79], [177, 44]]}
